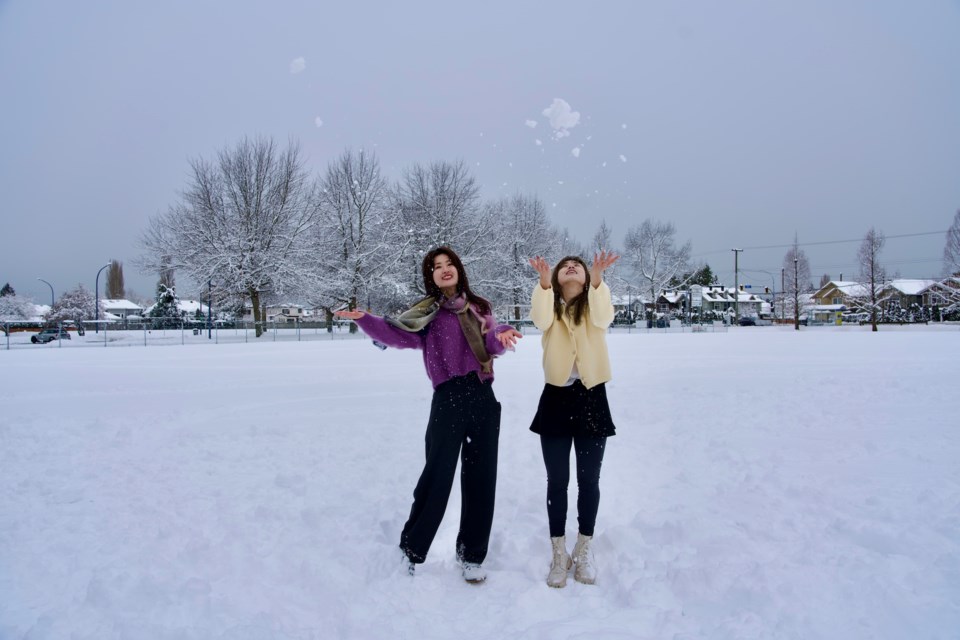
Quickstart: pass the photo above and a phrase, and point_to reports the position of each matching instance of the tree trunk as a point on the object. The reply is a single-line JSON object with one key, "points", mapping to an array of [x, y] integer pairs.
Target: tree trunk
{"points": [[328, 314], [257, 317], [353, 305]]}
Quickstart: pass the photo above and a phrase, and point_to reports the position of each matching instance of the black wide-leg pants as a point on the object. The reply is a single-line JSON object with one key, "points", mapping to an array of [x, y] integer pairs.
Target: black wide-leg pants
{"points": [[464, 423]]}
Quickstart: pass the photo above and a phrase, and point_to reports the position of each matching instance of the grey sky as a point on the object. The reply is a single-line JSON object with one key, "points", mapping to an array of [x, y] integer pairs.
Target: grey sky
{"points": [[741, 122]]}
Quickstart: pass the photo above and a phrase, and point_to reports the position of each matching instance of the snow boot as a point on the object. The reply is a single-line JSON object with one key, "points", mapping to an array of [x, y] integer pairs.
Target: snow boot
{"points": [[560, 564], [585, 569], [473, 572]]}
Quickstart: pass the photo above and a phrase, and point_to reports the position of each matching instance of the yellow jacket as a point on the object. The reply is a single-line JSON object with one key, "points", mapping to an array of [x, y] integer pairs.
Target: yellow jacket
{"points": [[565, 343]]}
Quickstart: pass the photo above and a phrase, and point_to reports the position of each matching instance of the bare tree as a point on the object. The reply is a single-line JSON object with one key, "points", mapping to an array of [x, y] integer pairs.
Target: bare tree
{"points": [[603, 238], [523, 230], [652, 254], [357, 242], [872, 274], [115, 288], [240, 222], [796, 270], [440, 204], [951, 250]]}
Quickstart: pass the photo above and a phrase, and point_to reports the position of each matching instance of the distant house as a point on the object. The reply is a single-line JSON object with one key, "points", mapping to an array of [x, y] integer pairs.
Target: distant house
{"points": [[121, 309], [905, 292], [840, 293], [187, 308], [283, 313], [944, 293], [724, 299]]}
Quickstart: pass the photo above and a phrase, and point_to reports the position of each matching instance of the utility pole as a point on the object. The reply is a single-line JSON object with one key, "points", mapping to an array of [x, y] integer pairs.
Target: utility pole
{"points": [[796, 296], [783, 296], [736, 285]]}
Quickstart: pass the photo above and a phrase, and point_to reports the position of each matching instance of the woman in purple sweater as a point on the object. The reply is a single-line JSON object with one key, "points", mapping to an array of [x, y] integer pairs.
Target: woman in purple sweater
{"points": [[459, 337]]}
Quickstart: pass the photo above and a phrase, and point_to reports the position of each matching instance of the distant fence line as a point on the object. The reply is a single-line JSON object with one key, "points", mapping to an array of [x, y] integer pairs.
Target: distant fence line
{"points": [[130, 334], [173, 331]]}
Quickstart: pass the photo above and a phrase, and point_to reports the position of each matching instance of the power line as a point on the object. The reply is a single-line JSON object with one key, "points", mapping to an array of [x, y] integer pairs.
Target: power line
{"points": [[824, 242]]}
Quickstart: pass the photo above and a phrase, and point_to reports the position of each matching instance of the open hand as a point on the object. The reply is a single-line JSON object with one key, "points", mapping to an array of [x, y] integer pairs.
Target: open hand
{"points": [[509, 338], [349, 315], [601, 262], [543, 268]]}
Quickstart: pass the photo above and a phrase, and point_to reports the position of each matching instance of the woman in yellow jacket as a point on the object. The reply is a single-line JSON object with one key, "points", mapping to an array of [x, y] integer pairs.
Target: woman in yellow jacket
{"points": [[571, 306]]}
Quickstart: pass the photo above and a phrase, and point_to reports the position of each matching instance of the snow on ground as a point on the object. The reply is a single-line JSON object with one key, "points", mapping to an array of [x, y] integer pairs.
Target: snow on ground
{"points": [[763, 484]]}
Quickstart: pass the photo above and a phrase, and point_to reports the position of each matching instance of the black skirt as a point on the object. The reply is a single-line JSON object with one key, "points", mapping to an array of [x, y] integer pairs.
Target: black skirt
{"points": [[574, 411]]}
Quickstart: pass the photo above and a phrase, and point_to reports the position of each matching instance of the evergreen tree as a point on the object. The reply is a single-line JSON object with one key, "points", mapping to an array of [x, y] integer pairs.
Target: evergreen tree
{"points": [[115, 288], [166, 311], [7, 290]]}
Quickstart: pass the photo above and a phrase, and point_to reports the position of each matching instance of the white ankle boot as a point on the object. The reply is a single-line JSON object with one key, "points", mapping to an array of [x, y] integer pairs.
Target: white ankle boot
{"points": [[560, 564], [585, 569], [473, 572]]}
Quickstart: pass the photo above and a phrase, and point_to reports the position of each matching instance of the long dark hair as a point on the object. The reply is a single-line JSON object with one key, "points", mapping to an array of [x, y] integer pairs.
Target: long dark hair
{"points": [[578, 306], [463, 285]]}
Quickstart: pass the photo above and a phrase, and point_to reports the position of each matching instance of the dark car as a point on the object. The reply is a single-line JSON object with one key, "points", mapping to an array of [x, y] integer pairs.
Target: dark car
{"points": [[50, 334], [748, 321]]}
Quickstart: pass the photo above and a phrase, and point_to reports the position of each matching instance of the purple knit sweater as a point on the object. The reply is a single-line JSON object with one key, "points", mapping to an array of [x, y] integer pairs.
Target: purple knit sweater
{"points": [[446, 353]]}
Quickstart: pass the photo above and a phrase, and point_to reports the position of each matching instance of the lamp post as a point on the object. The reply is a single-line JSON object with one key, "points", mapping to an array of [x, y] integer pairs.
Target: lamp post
{"points": [[51, 291], [96, 304]]}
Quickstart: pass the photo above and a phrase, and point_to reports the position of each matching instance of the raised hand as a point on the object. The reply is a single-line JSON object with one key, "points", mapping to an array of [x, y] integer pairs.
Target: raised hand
{"points": [[543, 268], [509, 338], [601, 262], [349, 315]]}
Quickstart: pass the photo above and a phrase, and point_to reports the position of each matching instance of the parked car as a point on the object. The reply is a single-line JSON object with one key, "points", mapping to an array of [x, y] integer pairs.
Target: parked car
{"points": [[748, 321], [50, 334]]}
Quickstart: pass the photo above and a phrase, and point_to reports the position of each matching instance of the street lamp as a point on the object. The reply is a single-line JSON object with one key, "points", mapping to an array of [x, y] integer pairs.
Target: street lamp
{"points": [[96, 294], [51, 291]]}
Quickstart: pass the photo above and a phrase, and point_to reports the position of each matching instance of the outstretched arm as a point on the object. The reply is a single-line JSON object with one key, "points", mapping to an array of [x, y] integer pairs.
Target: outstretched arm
{"points": [[378, 329], [601, 262], [542, 267], [541, 302]]}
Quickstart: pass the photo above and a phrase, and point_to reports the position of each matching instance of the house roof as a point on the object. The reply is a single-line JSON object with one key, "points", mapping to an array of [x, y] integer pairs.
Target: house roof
{"points": [[910, 287], [185, 306], [951, 284], [119, 304]]}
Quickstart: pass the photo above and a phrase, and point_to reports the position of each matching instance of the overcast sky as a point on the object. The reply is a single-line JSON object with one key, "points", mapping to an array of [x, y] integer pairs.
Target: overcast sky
{"points": [[742, 122]]}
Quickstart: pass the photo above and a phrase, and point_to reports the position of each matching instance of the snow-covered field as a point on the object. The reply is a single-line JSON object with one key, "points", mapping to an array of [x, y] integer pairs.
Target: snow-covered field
{"points": [[763, 484]]}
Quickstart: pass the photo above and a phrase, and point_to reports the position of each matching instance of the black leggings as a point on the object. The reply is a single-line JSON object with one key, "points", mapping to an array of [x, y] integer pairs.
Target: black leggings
{"points": [[556, 457]]}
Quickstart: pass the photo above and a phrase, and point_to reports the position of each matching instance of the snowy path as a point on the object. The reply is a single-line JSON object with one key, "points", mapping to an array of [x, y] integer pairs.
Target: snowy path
{"points": [[763, 484]]}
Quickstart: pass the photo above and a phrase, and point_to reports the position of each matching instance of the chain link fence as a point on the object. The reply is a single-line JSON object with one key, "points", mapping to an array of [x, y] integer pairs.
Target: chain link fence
{"points": [[167, 331]]}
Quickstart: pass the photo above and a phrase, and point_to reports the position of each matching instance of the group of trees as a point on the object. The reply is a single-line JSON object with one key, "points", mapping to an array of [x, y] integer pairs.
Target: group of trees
{"points": [[256, 225]]}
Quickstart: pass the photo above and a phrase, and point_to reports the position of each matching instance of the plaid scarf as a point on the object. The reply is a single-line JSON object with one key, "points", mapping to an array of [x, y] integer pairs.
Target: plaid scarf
{"points": [[471, 323]]}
